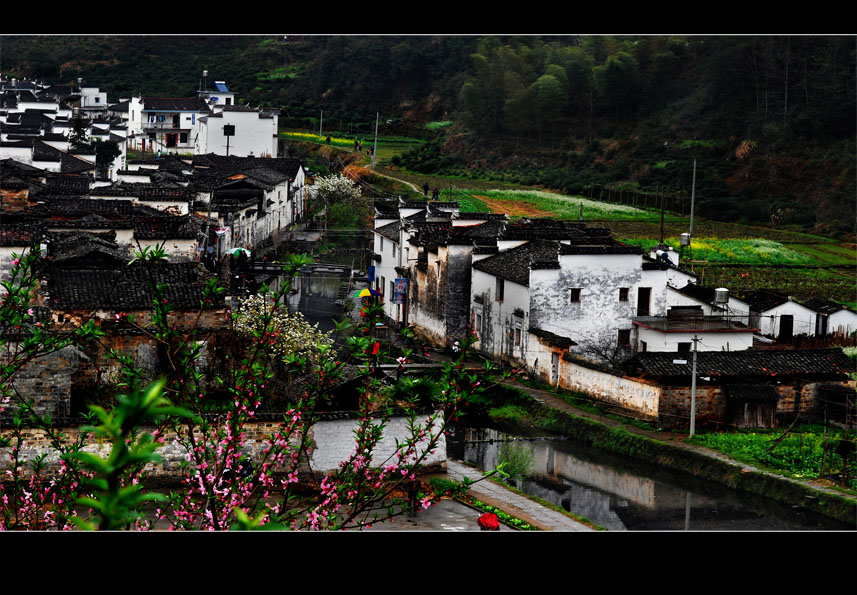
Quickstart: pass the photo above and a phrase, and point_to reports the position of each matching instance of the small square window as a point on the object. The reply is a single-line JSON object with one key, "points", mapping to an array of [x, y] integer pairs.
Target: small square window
{"points": [[574, 294], [684, 347], [623, 294], [624, 337]]}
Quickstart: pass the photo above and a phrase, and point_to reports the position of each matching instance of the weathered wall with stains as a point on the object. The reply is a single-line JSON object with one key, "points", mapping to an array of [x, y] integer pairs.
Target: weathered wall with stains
{"points": [[425, 300], [641, 398], [457, 301], [593, 319], [501, 318]]}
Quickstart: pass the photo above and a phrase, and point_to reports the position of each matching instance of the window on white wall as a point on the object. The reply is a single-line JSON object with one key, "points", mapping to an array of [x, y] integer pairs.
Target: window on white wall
{"points": [[499, 290], [574, 294]]}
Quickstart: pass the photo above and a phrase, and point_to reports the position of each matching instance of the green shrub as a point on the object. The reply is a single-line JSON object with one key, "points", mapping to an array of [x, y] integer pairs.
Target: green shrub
{"points": [[515, 460]]}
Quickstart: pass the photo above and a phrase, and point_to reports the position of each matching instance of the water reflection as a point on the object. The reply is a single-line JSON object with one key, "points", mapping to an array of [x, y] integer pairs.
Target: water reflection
{"points": [[619, 493]]}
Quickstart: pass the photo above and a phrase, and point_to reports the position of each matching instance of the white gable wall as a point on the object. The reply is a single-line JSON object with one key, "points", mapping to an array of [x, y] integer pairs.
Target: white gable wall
{"points": [[503, 333], [656, 340], [595, 318], [804, 319], [254, 135]]}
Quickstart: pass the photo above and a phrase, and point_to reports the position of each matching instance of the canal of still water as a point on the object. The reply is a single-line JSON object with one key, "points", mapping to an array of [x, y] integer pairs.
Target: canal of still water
{"points": [[622, 494]]}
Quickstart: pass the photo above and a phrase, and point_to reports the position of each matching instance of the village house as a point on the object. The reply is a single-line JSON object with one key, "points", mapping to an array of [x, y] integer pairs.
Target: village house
{"points": [[240, 131], [763, 388], [778, 316], [832, 318], [164, 124]]}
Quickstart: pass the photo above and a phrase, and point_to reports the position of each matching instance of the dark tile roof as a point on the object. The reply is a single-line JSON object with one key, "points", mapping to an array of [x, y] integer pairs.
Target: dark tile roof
{"points": [[122, 106], [684, 325], [763, 300], [177, 104], [514, 264], [19, 234], [68, 163], [554, 340], [746, 364], [85, 250], [824, 306], [390, 231], [70, 184], [751, 392], [483, 216], [124, 288], [176, 227], [59, 208], [223, 166]]}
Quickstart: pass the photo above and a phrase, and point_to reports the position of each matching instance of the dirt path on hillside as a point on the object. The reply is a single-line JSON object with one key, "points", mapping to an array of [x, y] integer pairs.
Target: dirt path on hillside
{"points": [[513, 208]]}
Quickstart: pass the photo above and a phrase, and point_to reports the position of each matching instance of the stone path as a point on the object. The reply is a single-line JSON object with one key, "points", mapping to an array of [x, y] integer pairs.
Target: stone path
{"points": [[512, 503]]}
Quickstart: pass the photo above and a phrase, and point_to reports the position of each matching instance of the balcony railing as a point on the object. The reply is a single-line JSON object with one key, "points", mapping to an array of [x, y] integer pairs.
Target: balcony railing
{"points": [[163, 126]]}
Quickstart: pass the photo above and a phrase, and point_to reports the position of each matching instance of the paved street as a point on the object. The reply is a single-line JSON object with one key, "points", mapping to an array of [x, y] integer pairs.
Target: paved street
{"points": [[449, 515]]}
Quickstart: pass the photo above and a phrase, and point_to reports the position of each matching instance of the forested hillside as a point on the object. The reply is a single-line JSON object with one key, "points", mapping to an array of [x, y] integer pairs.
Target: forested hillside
{"points": [[770, 120]]}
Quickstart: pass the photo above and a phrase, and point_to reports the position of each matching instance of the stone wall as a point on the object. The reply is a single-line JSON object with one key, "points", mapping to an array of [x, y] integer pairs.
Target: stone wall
{"points": [[332, 441], [47, 381], [674, 408]]}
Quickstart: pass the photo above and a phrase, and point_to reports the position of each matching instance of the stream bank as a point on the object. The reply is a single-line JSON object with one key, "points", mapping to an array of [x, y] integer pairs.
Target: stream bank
{"points": [[670, 451]]}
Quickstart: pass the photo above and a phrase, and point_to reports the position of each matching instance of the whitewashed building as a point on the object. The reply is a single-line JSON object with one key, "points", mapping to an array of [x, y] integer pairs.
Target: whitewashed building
{"points": [[239, 131], [778, 316]]}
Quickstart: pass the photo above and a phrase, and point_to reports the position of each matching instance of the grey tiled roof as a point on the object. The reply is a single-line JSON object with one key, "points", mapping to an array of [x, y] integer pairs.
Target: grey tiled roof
{"points": [[763, 300], [823, 306], [747, 364], [124, 288], [514, 264], [177, 104]]}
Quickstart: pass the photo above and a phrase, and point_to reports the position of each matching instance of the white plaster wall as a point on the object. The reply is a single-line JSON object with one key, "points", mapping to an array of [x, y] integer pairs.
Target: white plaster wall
{"points": [[539, 359], [599, 314], [19, 154], [335, 443], [710, 341], [804, 319], [390, 254], [496, 324], [625, 392], [843, 321], [254, 135]]}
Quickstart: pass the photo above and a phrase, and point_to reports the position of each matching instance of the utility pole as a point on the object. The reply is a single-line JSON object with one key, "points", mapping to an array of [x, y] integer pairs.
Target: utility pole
{"points": [[693, 390], [692, 197], [375, 148]]}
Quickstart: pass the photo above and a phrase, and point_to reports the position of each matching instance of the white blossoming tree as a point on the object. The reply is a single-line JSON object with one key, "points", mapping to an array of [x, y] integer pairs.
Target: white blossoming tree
{"points": [[281, 333], [343, 199], [337, 188]]}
